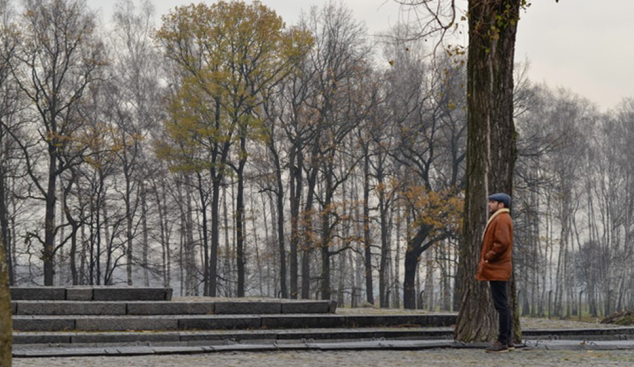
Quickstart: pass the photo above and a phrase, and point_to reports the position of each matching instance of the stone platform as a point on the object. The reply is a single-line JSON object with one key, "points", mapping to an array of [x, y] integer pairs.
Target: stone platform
{"points": [[88, 315], [47, 320], [90, 293]]}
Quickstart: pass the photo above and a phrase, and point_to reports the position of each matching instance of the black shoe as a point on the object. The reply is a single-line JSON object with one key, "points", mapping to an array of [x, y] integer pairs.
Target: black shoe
{"points": [[510, 346], [497, 347]]}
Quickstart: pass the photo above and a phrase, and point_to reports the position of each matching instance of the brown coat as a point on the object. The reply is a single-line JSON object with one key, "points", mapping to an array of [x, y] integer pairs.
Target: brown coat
{"points": [[497, 248]]}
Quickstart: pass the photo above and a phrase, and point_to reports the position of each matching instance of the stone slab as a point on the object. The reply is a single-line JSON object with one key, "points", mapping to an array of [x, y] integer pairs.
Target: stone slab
{"points": [[220, 323], [58, 352], [37, 293], [302, 321], [131, 294], [147, 323], [69, 308], [30, 323], [573, 333], [122, 337], [179, 350], [79, 294], [248, 308], [237, 336], [170, 308], [305, 307], [41, 338], [399, 320]]}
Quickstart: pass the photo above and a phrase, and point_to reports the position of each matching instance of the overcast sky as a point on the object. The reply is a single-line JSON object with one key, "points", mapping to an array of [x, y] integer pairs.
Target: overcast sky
{"points": [[586, 46]]}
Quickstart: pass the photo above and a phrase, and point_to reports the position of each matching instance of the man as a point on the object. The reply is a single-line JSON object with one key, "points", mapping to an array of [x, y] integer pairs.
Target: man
{"points": [[496, 265]]}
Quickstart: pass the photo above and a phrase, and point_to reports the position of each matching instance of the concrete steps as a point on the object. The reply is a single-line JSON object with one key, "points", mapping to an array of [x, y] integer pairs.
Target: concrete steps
{"points": [[111, 315], [131, 308], [221, 322], [90, 293], [216, 337], [126, 316]]}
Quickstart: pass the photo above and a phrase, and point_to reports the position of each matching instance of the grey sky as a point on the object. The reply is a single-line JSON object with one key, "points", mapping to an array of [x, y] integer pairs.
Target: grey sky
{"points": [[585, 46]]}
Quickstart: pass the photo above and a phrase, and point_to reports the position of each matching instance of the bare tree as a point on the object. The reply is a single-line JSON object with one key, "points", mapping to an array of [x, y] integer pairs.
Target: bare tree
{"points": [[339, 63], [58, 59]]}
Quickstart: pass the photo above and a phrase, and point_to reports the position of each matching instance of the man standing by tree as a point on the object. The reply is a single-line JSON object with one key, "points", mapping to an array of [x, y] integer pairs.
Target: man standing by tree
{"points": [[496, 266]]}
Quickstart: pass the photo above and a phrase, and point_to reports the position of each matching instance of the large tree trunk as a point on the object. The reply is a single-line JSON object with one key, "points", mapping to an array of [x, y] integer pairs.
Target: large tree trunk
{"points": [[490, 150], [6, 325], [4, 216]]}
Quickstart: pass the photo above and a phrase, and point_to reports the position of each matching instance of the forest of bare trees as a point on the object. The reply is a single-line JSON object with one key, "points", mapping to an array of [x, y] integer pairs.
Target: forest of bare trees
{"points": [[222, 153]]}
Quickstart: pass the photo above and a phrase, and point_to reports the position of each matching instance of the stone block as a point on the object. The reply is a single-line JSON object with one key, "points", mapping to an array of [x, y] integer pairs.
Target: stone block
{"points": [[148, 323], [36, 338], [50, 323], [302, 321], [170, 308], [219, 322], [130, 294], [305, 307], [123, 338], [79, 294], [62, 352], [399, 320], [236, 336], [70, 308], [38, 293], [248, 308]]}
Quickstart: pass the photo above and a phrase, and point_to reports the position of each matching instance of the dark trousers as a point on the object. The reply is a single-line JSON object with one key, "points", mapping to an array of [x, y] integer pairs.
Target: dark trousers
{"points": [[499, 292]]}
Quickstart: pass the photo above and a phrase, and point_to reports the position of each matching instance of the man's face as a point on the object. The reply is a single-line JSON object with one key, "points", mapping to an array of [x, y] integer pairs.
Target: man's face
{"points": [[494, 206]]}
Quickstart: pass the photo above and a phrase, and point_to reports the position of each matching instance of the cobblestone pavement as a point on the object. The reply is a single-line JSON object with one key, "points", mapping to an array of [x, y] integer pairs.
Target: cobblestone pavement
{"points": [[434, 358]]}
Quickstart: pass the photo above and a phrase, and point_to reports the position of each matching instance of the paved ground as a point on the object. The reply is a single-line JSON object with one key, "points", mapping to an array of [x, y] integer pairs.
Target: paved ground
{"points": [[433, 357]]}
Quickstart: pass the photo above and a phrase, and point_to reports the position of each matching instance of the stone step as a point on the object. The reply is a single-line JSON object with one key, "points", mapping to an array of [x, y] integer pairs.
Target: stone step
{"points": [[90, 293], [281, 336], [120, 308], [271, 347], [225, 336], [95, 323]]}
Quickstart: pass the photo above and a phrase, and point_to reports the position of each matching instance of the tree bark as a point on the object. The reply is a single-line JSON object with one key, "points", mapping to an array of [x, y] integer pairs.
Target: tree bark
{"points": [[415, 247], [491, 150], [240, 207], [279, 200], [367, 236], [295, 202], [6, 325]]}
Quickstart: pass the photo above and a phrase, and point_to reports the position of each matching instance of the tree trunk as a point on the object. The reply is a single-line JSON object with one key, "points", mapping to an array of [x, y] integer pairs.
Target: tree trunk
{"points": [[240, 233], [215, 236], [415, 248], [129, 218], [490, 150], [295, 202], [385, 245], [6, 325], [4, 214], [367, 236], [279, 197], [48, 256], [146, 236]]}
